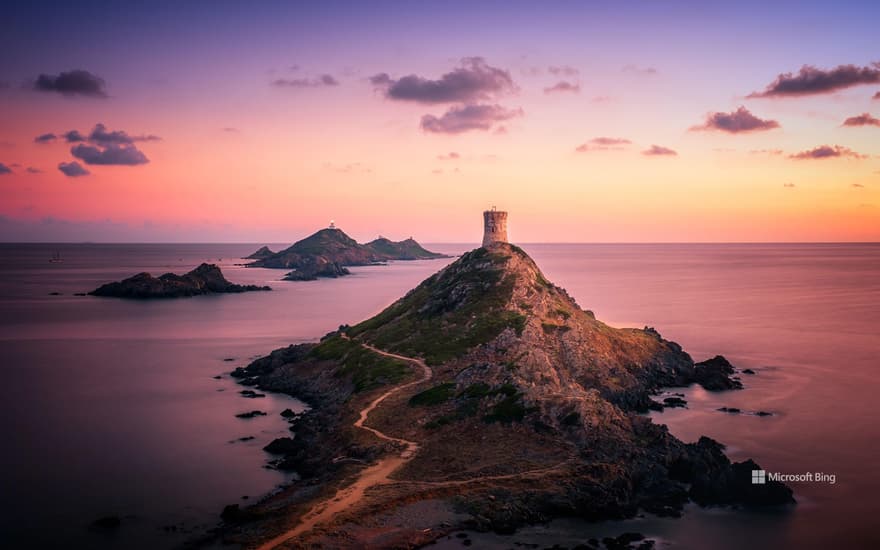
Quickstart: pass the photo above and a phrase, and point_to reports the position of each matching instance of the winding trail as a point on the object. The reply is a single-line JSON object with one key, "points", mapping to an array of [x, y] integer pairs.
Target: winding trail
{"points": [[377, 474]]}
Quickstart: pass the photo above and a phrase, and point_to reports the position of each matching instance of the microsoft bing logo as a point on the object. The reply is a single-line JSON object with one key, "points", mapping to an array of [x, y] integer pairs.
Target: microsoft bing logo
{"points": [[759, 477]]}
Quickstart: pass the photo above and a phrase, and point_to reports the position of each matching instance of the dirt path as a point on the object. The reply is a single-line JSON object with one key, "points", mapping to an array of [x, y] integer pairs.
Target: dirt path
{"points": [[376, 474]]}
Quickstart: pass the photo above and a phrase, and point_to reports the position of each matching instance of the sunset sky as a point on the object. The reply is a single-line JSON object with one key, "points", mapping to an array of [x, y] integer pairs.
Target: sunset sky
{"points": [[587, 121]]}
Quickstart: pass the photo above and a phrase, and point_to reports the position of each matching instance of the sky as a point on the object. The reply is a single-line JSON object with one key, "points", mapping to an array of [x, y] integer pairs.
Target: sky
{"points": [[586, 121]]}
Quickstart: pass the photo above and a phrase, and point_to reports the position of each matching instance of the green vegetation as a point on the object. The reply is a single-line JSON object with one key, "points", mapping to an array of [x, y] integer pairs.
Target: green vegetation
{"points": [[366, 368], [563, 313], [434, 396], [450, 313]]}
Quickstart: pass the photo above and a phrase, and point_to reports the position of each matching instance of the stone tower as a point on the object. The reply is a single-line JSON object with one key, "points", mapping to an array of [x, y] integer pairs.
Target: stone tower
{"points": [[494, 227]]}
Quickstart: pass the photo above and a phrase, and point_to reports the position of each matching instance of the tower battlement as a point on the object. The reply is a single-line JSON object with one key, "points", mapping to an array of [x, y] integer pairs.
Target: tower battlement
{"points": [[494, 227]]}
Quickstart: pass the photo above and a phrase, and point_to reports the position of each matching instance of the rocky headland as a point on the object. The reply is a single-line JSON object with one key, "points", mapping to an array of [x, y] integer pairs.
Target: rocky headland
{"points": [[205, 279], [487, 399], [329, 251]]}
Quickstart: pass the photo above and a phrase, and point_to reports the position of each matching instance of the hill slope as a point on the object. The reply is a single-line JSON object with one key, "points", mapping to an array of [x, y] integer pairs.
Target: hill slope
{"points": [[532, 411]]}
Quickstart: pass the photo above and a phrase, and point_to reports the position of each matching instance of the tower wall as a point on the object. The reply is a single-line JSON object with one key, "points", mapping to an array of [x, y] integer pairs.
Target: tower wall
{"points": [[494, 227]]}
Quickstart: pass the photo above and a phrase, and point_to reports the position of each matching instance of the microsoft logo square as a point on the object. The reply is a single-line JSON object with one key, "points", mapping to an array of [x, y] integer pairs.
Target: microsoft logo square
{"points": [[759, 477]]}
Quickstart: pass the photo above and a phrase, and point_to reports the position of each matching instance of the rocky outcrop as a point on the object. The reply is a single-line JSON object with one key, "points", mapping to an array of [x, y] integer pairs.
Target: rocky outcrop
{"points": [[327, 252], [408, 249], [533, 410], [262, 252], [205, 279]]}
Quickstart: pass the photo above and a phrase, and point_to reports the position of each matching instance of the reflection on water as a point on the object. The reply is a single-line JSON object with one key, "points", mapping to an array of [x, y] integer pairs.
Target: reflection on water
{"points": [[111, 406]]}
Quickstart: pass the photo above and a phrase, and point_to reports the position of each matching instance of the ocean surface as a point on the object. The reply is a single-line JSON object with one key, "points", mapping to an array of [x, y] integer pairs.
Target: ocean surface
{"points": [[111, 407]]}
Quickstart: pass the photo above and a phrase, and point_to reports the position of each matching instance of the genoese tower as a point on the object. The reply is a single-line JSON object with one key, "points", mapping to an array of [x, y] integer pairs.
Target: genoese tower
{"points": [[494, 227]]}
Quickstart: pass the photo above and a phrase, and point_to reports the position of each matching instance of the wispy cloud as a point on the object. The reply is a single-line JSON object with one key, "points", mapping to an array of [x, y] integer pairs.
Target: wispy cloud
{"points": [[636, 69], [735, 122], [463, 118], [563, 86], [864, 119], [603, 144], [452, 155], [826, 152], [659, 151], [810, 80], [4, 169], [788, 185], [72, 83], [316, 82], [773, 152], [45, 138], [563, 70]]}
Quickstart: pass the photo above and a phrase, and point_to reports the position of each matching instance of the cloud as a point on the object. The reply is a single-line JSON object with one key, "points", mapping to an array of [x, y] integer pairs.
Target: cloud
{"points": [[827, 151], [462, 118], [45, 138], [857, 186], [563, 86], [774, 152], [32, 170], [101, 136], [73, 136], [863, 119], [736, 122], [317, 82], [788, 185], [113, 154], [635, 69], [876, 96], [4, 169], [230, 130], [603, 144], [601, 99], [659, 151], [812, 81], [452, 155], [77, 82], [72, 169], [563, 70], [474, 80]]}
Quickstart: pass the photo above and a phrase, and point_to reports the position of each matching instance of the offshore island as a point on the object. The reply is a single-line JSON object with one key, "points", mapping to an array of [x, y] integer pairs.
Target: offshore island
{"points": [[329, 252], [485, 398]]}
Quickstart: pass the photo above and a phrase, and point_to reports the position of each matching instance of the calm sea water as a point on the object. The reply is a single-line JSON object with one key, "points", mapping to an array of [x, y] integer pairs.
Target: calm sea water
{"points": [[110, 406]]}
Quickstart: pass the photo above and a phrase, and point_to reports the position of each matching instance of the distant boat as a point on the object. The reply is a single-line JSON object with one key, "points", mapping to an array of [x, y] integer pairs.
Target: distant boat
{"points": [[56, 258]]}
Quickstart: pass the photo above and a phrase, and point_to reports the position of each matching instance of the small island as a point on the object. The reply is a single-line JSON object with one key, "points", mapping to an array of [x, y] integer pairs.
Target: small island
{"points": [[205, 279], [488, 396], [327, 253]]}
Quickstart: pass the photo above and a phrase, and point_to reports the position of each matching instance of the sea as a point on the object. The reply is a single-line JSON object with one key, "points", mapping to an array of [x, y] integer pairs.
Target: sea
{"points": [[118, 408]]}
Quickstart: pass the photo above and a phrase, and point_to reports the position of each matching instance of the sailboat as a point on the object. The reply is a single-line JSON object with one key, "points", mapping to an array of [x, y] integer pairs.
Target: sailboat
{"points": [[56, 258]]}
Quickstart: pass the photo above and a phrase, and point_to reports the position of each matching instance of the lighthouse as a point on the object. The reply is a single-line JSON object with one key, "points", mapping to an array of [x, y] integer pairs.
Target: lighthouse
{"points": [[494, 227]]}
